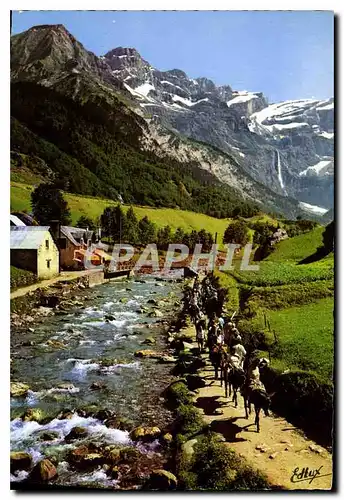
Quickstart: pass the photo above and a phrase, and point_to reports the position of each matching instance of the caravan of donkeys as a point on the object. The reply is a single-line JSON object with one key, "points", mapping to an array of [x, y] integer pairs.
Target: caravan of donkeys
{"points": [[218, 334]]}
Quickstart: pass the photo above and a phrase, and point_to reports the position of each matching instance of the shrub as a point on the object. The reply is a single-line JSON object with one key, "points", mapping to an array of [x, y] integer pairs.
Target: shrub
{"points": [[236, 232], [177, 394], [214, 466], [189, 420], [303, 399]]}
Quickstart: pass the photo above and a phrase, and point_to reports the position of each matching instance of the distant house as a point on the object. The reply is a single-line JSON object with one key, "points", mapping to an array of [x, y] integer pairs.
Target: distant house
{"points": [[33, 249], [75, 245], [15, 221]]}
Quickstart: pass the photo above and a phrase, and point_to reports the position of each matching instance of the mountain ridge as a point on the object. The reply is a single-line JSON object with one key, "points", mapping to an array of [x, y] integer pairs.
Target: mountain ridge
{"points": [[67, 67]]}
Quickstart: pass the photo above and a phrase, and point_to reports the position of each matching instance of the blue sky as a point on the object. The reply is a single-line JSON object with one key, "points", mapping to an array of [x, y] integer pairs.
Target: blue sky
{"points": [[285, 55]]}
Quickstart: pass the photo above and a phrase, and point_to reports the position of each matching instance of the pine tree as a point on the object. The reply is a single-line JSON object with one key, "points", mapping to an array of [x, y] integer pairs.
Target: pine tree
{"points": [[131, 228], [236, 232], [48, 204], [147, 231], [179, 235], [86, 222], [164, 237]]}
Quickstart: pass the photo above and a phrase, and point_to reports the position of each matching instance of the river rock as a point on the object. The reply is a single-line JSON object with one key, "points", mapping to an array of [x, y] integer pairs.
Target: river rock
{"points": [[129, 454], [48, 435], [155, 314], [44, 311], [106, 362], [167, 359], [32, 330], [36, 414], [110, 317], [56, 343], [20, 460], [146, 353], [113, 472], [28, 343], [145, 433], [123, 300], [166, 438], [121, 423], [97, 386], [76, 433], [82, 457], [45, 470], [112, 454], [18, 389], [152, 301], [162, 480], [149, 341], [103, 414]]}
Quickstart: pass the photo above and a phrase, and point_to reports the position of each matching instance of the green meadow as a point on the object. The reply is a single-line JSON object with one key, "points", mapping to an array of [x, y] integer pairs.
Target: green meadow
{"points": [[289, 302]]}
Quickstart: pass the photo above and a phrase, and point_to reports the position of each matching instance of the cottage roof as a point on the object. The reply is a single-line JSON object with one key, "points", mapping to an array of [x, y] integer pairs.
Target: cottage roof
{"points": [[16, 221], [66, 231], [27, 237], [72, 233]]}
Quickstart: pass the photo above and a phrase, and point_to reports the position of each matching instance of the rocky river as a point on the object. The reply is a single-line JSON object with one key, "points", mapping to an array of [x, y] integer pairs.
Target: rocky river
{"points": [[85, 389]]}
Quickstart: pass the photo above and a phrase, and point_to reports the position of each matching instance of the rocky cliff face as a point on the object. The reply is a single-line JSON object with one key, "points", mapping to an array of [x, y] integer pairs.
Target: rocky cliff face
{"points": [[287, 147]]}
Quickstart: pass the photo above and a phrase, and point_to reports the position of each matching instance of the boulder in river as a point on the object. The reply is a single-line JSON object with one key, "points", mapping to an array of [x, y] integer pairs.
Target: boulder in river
{"points": [[123, 300], [152, 301], [48, 435], [20, 460], [44, 311], [166, 438], [145, 433], [167, 359], [82, 457], [45, 470], [36, 414], [129, 454], [97, 386], [56, 343], [77, 432], [155, 314], [103, 414], [147, 353], [110, 317], [121, 423], [112, 454], [149, 341], [162, 480], [19, 389]]}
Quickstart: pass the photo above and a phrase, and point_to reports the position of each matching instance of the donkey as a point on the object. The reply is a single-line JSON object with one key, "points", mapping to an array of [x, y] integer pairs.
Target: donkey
{"points": [[234, 377], [260, 400], [215, 355], [254, 391]]}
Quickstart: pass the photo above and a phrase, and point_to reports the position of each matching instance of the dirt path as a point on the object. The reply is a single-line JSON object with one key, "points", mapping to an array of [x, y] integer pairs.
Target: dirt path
{"points": [[64, 276], [284, 448]]}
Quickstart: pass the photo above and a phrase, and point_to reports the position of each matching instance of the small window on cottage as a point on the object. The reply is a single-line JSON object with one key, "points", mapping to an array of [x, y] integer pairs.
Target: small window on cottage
{"points": [[47, 244], [48, 263]]}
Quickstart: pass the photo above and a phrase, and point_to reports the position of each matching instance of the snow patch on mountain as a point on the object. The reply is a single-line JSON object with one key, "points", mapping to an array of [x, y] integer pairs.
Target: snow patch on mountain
{"points": [[145, 88], [327, 135], [242, 97], [314, 209], [318, 169]]}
